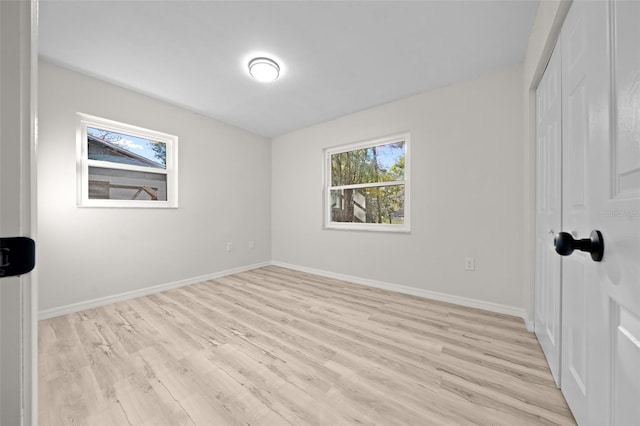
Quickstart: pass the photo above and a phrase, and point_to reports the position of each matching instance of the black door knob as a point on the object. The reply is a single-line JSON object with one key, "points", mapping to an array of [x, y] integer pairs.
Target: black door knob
{"points": [[17, 256], [566, 244]]}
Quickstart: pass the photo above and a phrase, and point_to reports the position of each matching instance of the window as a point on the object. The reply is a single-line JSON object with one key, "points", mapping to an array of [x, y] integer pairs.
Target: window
{"points": [[120, 165], [367, 185]]}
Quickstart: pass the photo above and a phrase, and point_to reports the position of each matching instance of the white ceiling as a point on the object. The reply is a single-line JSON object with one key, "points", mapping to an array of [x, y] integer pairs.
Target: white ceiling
{"points": [[337, 57]]}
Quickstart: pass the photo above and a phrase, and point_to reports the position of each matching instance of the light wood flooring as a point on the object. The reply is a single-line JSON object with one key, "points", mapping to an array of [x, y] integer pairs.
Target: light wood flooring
{"points": [[274, 346]]}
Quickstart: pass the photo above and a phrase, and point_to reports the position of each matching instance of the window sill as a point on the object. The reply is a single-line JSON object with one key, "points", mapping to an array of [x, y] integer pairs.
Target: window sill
{"points": [[400, 229], [120, 205]]}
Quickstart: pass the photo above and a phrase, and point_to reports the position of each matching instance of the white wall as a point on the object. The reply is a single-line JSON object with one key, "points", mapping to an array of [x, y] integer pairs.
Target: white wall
{"points": [[544, 33], [91, 253], [466, 193], [467, 198]]}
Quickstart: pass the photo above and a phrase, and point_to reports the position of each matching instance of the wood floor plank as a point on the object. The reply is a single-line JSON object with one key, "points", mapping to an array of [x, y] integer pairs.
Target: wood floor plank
{"points": [[273, 346], [60, 340]]}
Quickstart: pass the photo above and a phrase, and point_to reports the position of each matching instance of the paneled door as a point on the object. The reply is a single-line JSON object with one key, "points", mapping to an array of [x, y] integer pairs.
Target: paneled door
{"points": [[600, 368], [548, 211], [615, 194]]}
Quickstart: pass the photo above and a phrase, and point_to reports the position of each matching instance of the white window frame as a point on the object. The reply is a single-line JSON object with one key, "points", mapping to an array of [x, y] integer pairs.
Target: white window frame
{"points": [[83, 162], [383, 227]]}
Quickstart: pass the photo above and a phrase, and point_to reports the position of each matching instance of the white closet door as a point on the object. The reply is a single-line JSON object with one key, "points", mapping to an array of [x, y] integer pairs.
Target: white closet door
{"points": [[548, 212], [576, 268]]}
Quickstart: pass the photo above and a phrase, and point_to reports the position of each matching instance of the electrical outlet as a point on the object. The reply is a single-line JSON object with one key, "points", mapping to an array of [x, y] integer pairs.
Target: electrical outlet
{"points": [[229, 246], [252, 245], [469, 264]]}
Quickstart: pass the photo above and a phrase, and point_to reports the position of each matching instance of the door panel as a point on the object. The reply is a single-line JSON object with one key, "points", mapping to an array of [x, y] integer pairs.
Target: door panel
{"points": [[626, 367], [575, 316], [618, 214], [626, 60], [620, 188], [548, 213], [576, 132]]}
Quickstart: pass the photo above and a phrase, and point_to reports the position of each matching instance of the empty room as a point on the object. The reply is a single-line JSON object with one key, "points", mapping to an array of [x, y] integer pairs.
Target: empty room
{"points": [[320, 212]]}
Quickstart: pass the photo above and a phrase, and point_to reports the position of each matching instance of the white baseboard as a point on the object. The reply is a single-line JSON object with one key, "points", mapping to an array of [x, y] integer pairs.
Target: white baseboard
{"points": [[529, 323], [101, 301], [443, 297]]}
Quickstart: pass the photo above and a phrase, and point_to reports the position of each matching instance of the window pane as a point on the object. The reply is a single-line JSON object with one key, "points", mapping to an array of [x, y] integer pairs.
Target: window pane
{"points": [[384, 204], [105, 145], [381, 163], [114, 184]]}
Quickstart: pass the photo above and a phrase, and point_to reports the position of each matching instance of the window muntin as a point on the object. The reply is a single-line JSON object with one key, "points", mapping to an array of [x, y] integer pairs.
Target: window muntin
{"points": [[125, 166], [367, 185]]}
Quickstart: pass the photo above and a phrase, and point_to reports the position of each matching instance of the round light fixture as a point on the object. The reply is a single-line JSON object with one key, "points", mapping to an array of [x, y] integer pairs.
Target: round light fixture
{"points": [[264, 69]]}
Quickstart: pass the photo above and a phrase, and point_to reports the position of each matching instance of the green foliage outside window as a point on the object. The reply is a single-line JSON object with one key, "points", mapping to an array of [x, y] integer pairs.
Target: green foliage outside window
{"points": [[381, 166]]}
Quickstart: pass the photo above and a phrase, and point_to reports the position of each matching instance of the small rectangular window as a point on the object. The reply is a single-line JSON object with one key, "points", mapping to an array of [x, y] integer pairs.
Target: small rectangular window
{"points": [[120, 165], [367, 185]]}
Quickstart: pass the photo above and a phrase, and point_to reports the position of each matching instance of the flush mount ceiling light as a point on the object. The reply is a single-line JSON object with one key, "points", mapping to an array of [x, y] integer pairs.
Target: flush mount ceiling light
{"points": [[264, 69]]}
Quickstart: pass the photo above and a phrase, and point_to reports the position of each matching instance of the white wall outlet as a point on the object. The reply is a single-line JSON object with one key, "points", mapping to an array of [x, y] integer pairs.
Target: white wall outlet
{"points": [[229, 246], [469, 264], [252, 245]]}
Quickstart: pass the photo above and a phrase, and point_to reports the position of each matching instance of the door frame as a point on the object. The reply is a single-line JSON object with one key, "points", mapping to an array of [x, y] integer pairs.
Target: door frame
{"points": [[19, 401]]}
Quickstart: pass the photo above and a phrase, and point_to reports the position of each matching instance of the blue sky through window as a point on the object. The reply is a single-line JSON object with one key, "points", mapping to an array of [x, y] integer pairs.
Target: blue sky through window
{"points": [[139, 146], [389, 154]]}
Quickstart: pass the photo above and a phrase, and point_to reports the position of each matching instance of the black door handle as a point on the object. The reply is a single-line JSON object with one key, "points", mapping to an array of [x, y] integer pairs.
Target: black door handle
{"points": [[17, 256], [566, 244]]}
